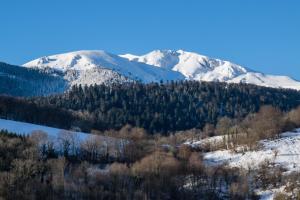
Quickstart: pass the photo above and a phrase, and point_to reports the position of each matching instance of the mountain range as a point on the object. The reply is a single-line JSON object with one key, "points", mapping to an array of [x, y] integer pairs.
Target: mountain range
{"points": [[56, 73], [97, 67]]}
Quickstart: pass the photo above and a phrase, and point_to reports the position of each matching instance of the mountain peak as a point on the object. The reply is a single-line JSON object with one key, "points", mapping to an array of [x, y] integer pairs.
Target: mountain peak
{"points": [[192, 65], [76, 60], [78, 63]]}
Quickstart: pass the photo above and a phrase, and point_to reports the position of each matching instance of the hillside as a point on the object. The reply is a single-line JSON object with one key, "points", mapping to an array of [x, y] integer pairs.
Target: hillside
{"points": [[163, 108], [19, 81]]}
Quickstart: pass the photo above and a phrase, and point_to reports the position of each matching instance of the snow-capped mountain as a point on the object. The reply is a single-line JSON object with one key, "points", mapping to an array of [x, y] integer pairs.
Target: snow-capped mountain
{"points": [[96, 67], [193, 66], [202, 68]]}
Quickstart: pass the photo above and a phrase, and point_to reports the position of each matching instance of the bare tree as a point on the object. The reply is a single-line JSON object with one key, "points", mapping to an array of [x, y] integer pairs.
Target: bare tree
{"points": [[68, 142], [94, 148], [294, 116]]}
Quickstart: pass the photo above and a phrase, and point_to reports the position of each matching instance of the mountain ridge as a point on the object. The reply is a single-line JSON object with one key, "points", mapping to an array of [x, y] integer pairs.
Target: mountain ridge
{"points": [[203, 68], [156, 66], [98, 59]]}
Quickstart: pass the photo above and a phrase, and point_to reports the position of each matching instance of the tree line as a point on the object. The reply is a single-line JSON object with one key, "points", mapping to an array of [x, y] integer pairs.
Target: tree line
{"points": [[167, 107]]}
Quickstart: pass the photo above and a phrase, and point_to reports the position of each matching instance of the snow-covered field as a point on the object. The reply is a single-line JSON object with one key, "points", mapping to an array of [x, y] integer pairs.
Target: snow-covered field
{"points": [[23, 128], [55, 134], [204, 142], [284, 151]]}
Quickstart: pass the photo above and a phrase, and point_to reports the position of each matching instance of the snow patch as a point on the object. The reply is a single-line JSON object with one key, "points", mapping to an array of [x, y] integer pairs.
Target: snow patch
{"points": [[284, 151]]}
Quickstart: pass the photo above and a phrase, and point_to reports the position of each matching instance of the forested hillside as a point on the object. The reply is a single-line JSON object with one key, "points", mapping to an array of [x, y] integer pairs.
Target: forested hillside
{"points": [[20, 81], [26, 111], [159, 108], [163, 108]]}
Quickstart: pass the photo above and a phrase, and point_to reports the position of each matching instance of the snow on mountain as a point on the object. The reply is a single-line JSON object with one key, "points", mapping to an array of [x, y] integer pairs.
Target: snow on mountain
{"points": [[96, 67], [191, 65], [202, 68], [267, 80]]}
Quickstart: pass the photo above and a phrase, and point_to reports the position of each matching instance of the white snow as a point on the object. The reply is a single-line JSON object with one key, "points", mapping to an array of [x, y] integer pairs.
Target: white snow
{"points": [[23, 128], [202, 68], [54, 134], [206, 141], [284, 151], [82, 61], [86, 67]]}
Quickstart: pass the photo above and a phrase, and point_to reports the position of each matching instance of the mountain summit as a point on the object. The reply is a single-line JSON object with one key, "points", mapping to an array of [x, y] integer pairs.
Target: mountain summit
{"points": [[96, 67]]}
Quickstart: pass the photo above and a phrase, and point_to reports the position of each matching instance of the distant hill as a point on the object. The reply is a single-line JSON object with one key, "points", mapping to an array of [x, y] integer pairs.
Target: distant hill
{"points": [[21, 81]]}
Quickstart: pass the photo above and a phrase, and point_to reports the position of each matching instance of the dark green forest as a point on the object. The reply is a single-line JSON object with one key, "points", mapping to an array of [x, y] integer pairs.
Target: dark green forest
{"points": [[163, 108], [158, 108], [21, 109]]}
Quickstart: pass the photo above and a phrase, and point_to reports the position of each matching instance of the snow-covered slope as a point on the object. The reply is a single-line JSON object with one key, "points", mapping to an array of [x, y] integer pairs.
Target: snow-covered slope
{"points": [[96, 67], [54, 134], [202, 68], [284, 151], [266, 80], [23, 128]]}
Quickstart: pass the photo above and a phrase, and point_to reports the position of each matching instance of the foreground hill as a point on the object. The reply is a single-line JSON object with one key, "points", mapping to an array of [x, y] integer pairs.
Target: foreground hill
{"points": [[186, 165]]}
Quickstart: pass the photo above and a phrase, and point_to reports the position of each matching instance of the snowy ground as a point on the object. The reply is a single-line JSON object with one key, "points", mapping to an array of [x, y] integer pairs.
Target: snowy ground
{"points": [[23, 128], [54, 134], [284, 151], [204, 142]]}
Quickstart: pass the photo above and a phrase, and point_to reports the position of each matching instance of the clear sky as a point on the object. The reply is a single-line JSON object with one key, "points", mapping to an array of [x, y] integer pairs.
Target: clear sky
{"points": [[260, 34]]}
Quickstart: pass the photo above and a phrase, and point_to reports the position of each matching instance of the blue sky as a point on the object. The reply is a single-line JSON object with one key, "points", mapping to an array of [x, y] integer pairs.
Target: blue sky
{"points": [[260, 34]]}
